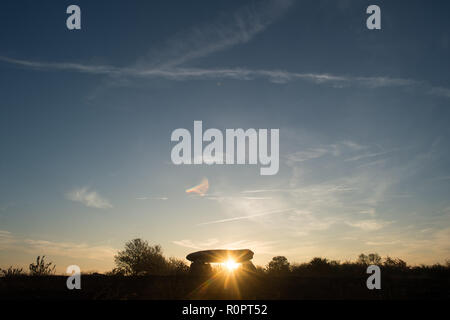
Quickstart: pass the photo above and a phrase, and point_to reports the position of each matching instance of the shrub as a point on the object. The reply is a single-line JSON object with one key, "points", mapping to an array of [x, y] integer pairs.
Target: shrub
{"points": [[11, 272], [40, 268]]}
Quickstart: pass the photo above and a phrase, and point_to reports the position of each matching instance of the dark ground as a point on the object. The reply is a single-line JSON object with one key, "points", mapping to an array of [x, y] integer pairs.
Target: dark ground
{"points": [[258, 286]]}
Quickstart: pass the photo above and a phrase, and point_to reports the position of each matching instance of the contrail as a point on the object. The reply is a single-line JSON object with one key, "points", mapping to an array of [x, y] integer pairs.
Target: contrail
{"points": [[246, 217]]}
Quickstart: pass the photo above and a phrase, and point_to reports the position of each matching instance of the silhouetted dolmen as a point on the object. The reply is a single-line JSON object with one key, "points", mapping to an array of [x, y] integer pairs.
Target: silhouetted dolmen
{"points": [[201, 259]]}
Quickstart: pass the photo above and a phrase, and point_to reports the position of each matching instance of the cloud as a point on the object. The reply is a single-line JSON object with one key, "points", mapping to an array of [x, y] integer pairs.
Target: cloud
{"points": [[200, 189], [4, 233], [89, 198], [234, 198], [257, 198], [246, 217], [227, 31], [370, 211], [261, 247], [77, 250], [369, 225], [353, 145], [305, 222], [70, 249], [275, 76], [338, 149], [335, 149], [440, 91], [381, 243], [348, 188], [65, 66], [152, 198], [430, 245], [371, 155], [265, 190], [301, 156], [6, 239], [191, 244]]}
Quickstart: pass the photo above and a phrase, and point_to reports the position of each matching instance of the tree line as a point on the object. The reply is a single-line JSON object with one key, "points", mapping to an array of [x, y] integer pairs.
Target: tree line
{"points": [[140, 258]]}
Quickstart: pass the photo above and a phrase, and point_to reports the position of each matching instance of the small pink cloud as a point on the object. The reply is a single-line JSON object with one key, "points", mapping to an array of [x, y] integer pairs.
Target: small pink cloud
{"points": [[200, 189]]}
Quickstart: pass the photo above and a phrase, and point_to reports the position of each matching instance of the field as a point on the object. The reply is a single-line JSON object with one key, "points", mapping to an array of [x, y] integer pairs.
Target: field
{"points": [[257, 286]]}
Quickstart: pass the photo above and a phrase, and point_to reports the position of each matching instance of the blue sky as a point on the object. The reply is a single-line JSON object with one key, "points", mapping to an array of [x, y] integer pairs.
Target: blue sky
{"points": [[87, 117]]}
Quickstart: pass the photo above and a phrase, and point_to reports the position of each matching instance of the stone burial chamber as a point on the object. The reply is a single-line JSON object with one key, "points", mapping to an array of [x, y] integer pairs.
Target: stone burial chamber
{"points": [[201, 260]]}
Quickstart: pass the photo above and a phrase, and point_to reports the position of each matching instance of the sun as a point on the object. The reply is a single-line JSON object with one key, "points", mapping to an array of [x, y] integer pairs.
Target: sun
{"points": [[231, 265]]}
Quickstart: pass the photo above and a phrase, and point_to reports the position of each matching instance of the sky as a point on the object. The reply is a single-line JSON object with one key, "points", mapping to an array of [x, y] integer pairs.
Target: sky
{"points": [[87, 116]]}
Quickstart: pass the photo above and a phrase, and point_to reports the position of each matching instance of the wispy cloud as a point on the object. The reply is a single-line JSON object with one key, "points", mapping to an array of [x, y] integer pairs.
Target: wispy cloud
{"points": [[192, 244], [200, 189], [369, 225], [152, 198], [371, 155], [246, 217], [89, 198], [70, 249], [6, 239], [301, 156], [357, 152], [65, 66], [305, 222], [257, 198], [266, 190], [225, 32], [261, 247], [81, 250], [335, 149], [440, 91], [275, 76]]}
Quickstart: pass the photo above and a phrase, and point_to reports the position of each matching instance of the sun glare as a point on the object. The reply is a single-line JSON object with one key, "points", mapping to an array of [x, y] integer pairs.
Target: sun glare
{"points": [[231, 265]]}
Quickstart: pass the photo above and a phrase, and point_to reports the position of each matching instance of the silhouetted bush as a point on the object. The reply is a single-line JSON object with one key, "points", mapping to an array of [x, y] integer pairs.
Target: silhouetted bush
{"points": [[40, 268], [11, 272]]}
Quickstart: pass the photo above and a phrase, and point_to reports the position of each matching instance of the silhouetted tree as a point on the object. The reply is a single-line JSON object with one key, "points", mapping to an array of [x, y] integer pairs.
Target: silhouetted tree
{"points": [[318, 262], [259, 270], [116, 272], [41, 268], [395, 263], [371, 258], [322, 265], [299, 268], [140, 258], [279, 265], [177, 266]]}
